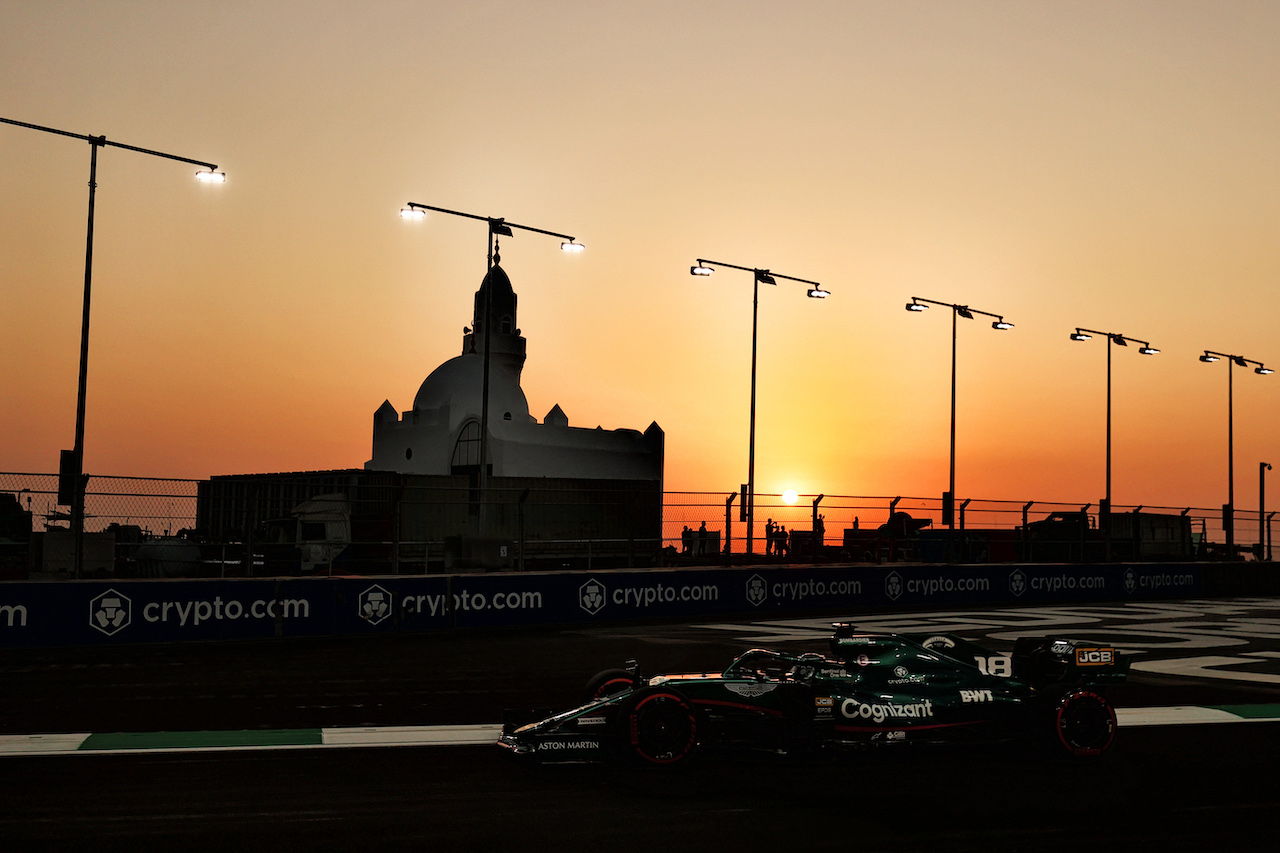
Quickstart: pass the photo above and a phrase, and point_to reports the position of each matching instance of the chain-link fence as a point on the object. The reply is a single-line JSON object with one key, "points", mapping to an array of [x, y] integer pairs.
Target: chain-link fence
{"points": [[157, 506], [376, 522]]}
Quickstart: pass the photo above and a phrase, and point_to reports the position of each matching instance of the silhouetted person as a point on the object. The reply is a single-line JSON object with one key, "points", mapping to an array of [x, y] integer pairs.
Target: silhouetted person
{"points": [[702, 539], [768, 536], [686, 539]]}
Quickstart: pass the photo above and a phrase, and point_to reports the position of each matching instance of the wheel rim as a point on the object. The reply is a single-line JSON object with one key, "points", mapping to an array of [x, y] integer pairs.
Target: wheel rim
{"points": [[663, 729], [1086, 724]]}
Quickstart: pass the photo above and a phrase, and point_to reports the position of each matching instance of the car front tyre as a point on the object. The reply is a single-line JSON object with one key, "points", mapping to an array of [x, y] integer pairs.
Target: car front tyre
{"points": [[657, 728], [608, 682]]}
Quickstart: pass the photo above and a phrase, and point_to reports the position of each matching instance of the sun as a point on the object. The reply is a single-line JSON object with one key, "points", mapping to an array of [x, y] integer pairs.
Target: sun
{"points": [[790, 496]]}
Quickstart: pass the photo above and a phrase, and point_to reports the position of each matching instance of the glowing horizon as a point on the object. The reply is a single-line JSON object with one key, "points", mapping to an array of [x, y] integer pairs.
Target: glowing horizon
{"points": [[1062, 165]]}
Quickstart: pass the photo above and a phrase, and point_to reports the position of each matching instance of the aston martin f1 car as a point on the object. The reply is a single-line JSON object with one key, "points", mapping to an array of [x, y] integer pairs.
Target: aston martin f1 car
{"points": [[870, 690]]}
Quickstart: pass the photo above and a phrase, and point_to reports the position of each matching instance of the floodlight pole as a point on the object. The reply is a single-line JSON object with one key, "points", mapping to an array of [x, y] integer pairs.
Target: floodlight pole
{"points": [[919, 303], [1229, 510], [76, 472], [497, 226], [706, 267], [1113, 339]]}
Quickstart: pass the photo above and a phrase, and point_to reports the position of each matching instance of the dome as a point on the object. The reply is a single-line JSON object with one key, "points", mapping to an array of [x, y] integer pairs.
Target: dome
{"points": [[459, 383]]}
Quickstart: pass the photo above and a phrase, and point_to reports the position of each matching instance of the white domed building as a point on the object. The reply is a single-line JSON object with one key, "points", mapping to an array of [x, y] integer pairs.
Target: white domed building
{"points": [[441, 433], [555, 495]]}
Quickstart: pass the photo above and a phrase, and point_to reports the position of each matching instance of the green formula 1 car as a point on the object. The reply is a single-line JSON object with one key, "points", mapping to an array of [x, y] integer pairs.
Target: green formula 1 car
{"points": [[871, 689]]}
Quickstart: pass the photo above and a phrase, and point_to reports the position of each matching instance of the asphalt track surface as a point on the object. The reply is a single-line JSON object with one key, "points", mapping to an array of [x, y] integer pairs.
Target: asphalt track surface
{"points": [[1185, 787]]}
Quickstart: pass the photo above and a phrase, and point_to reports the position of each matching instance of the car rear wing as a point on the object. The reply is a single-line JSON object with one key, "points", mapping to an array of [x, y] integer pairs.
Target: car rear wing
{"points": [[1037, 660], [1042, 660]]}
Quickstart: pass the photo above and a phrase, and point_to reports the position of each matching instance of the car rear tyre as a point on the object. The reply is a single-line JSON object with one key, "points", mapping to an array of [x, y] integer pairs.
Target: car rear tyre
{"points": [[1085, 724], [657, 728], [608, 682]]}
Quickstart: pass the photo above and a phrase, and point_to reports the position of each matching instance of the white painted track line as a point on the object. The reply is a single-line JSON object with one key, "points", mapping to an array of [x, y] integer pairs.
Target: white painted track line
{"points": [[485, 734], [41, 744], [1175, 715], [413, 736]]}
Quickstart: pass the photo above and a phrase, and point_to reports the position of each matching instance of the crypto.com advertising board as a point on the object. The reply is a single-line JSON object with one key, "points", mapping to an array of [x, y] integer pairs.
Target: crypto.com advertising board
{"points": [[77, 613]]}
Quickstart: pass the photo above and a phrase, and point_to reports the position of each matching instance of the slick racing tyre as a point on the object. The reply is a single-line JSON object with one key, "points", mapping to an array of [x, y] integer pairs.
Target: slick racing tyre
{"points": [[609, 682], [656, 728], [1084, 723]]}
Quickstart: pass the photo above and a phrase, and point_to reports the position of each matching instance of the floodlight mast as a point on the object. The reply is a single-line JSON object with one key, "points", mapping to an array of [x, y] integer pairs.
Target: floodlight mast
{"points": [[74, 471], [1229, 509], [497, 227], [919, 303], [759, 276], [1116, 339]]}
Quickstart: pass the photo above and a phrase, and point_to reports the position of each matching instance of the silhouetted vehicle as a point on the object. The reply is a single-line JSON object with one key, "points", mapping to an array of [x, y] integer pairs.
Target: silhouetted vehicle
{"points": [[323, 536], [896, 539], [1075, 537], [871, 690]]}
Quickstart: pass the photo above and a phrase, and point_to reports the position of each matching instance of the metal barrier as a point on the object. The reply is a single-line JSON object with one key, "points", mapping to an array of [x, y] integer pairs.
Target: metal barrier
{"points": [[557, 529]]}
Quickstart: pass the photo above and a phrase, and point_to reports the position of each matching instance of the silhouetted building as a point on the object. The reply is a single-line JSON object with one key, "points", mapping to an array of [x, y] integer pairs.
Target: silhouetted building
{"points": [[556, 495], [441, 433]]}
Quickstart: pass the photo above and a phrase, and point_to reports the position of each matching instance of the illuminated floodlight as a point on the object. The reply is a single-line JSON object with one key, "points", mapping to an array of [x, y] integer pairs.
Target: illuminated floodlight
{"points": [[1148, 350], [1208, 359], [211, 176], [1081, 336], [1001, 325], [413, 213], [701, 270], [571, 246], [1263, 371], [818, 293], [916, 306]]}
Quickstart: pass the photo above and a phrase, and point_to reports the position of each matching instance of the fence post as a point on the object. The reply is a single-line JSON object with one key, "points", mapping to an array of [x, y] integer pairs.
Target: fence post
{"points": [[250, 495], [1026, 534], [395, 529], [520, 509], [728, 522]]}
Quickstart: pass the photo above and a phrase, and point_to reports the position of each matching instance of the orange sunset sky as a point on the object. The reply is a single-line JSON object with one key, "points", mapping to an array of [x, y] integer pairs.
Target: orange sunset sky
{"points": [[1111, 165]]}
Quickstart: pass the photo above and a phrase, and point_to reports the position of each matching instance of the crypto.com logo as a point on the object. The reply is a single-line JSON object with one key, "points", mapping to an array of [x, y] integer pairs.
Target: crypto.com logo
{"points": [[757, 590], [591, 596], [893, 586], [374, 604], [110, 612], [1017, 582]]}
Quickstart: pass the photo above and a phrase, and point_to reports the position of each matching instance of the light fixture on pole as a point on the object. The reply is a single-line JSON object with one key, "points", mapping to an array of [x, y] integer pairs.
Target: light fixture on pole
{"points": [[1104, 511], [918, 303], [1229, 509], [759, 276], [72, 480], [501, 228]]}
